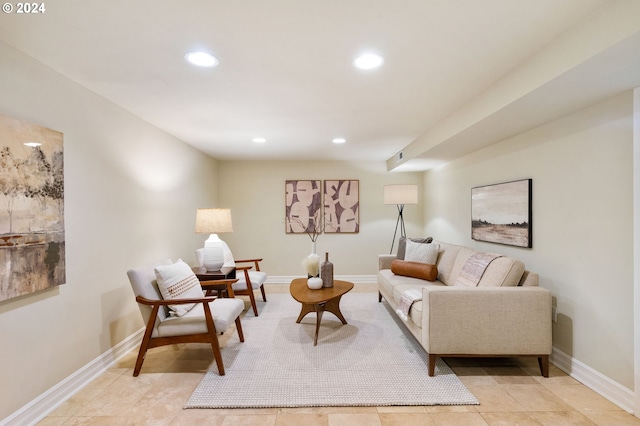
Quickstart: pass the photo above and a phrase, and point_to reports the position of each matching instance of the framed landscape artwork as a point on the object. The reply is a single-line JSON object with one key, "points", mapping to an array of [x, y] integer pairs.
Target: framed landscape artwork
{"points": [[32, 242], [303, 202], [501, 213], [341, 206]]}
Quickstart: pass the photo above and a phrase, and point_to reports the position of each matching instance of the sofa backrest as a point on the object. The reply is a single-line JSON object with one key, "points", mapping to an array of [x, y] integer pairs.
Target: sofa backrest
{"points": [[501, 272]]}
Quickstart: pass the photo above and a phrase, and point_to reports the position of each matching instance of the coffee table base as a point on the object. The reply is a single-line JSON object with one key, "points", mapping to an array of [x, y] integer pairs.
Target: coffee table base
{"points": [[332, 306]]}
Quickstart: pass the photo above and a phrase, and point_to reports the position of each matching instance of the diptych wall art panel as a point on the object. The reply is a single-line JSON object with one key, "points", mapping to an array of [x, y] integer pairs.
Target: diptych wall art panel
{"points": [[32, 242], [501, 213], [341, 206], [303, 202]]}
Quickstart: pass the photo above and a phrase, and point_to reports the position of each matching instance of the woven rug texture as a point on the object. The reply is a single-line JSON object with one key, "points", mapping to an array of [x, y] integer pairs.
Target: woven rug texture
{"points": [[371, 361]]}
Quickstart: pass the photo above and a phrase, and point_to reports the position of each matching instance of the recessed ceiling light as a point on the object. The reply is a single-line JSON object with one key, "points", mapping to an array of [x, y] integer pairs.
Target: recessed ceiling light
{"points": [[32, 144], [368, 61], [339, 140], [259, 140], [201, 59]]}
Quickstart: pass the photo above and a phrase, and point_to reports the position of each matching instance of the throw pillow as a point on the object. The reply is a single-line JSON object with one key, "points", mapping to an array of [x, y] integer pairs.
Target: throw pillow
{"points": [[423, 253], [423, 271], [402, 243], [177, 281]]}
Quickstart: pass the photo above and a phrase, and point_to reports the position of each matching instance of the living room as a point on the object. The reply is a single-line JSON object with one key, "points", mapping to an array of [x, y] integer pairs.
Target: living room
{"points": [[132, 190]]}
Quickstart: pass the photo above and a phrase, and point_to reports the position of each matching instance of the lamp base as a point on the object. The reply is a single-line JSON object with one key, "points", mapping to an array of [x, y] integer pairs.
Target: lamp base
{"points": [[213, 253]]}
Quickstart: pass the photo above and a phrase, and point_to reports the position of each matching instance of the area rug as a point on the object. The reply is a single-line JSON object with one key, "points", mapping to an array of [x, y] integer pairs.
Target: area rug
{"points": [[371, 361]]}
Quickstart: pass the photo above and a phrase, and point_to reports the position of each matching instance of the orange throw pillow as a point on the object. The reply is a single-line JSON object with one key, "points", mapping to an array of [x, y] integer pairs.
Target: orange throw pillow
{"points": [[406, 268]]}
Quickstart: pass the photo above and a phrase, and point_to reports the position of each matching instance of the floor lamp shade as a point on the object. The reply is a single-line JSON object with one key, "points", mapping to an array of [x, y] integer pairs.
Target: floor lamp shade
{"points": [[400, 195], [213, 222]]}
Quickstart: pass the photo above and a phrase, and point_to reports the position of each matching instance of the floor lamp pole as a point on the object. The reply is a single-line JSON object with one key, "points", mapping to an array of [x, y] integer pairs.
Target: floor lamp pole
{"points": [[399, 221]]}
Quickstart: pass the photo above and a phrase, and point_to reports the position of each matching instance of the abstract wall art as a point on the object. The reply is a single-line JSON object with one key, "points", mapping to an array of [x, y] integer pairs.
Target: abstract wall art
{"points": [[303, 202], [32, 242], [341, 206]]}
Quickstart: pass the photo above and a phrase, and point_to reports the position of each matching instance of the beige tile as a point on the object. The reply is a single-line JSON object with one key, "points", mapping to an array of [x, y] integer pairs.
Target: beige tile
{"points": [[511, 419], [202, 419], [249, 420], [507, 375], [582, 398], [607, 418], [291, 419], [495, 399], [351, 419], [406, 419], [536, 398], [458, 419], [563, 418], [53, 421]]}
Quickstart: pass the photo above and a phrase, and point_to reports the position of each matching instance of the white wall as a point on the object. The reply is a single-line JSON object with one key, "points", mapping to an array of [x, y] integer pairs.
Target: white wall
{"points": [[131, 192], [255, 193], [582, 171]]}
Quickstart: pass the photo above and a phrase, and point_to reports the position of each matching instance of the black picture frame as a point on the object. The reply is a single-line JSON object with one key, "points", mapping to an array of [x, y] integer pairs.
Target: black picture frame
{"points": [[502, 213]]}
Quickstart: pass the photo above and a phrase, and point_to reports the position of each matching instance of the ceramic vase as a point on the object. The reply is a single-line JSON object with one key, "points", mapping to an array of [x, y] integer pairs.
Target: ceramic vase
{"points": [[326, 272], [314, 283], [312, 262]]}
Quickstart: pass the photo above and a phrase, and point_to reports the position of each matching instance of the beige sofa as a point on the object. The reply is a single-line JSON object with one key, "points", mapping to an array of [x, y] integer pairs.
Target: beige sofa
{"points": [[506, 314]]}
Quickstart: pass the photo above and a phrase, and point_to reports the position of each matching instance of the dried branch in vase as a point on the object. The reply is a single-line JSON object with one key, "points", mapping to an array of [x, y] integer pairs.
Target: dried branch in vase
{"points": [[314, 228]]}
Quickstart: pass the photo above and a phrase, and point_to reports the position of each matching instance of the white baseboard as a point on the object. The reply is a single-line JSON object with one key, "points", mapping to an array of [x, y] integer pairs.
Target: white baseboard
{"points": [[39, 408], [610, 389], [356, 279]]}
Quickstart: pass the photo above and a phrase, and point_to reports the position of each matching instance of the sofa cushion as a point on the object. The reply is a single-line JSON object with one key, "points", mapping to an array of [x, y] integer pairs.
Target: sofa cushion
{"points": [[446, 258], [423, 271], [501, 272], [402, 244], [423, 253]]}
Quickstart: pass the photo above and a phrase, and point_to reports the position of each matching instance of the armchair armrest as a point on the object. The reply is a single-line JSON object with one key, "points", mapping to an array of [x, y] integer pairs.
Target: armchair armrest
{"points": [[153, 302], [384, 261], [486, 320], [254, 261]]}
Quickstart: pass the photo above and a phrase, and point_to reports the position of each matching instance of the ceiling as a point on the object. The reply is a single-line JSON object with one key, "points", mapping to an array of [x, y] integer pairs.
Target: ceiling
{"points": [[285, 69]]}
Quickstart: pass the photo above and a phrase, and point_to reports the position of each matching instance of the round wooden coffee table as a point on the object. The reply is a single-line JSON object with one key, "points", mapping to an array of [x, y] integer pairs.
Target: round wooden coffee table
{"points": [[324, 299]]}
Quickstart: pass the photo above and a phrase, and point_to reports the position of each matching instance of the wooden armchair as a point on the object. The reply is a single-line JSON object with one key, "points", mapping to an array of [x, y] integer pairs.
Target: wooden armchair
{"points": [[250, 280], [201, 324]]}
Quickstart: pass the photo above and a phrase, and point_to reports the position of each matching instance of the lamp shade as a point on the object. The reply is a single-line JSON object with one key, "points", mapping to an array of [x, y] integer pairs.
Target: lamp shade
{"points": [[401, 194], [213, 221]]}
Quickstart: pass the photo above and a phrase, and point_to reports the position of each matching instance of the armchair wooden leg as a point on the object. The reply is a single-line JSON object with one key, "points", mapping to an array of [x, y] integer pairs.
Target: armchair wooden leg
{"points": [[379, 297], [144, 345], [264, 296], [141, 354], [252, 297], [239, 328]]}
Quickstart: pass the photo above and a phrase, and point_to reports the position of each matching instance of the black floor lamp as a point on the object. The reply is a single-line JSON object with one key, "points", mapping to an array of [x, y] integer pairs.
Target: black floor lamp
{"points": [[400, 195]]}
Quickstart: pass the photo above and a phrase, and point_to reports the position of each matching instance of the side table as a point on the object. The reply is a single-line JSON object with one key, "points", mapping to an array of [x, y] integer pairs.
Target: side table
{"points": [[225, 273]]}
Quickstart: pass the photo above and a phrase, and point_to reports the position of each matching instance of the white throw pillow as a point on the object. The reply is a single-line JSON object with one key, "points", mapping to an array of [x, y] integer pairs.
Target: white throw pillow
{"points": [[420, 252], [177, 281]]}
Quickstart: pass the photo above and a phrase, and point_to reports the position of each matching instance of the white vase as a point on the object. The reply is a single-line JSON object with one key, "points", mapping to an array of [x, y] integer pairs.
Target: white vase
{"points": [[314, 283], [312, 262]]}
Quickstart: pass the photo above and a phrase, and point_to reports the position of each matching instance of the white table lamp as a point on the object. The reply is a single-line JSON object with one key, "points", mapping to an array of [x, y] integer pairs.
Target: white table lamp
{"points": [[213, 222]]}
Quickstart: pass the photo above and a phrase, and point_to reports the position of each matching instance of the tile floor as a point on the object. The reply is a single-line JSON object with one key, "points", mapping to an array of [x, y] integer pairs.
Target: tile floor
{"points": [[511, 392]]}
